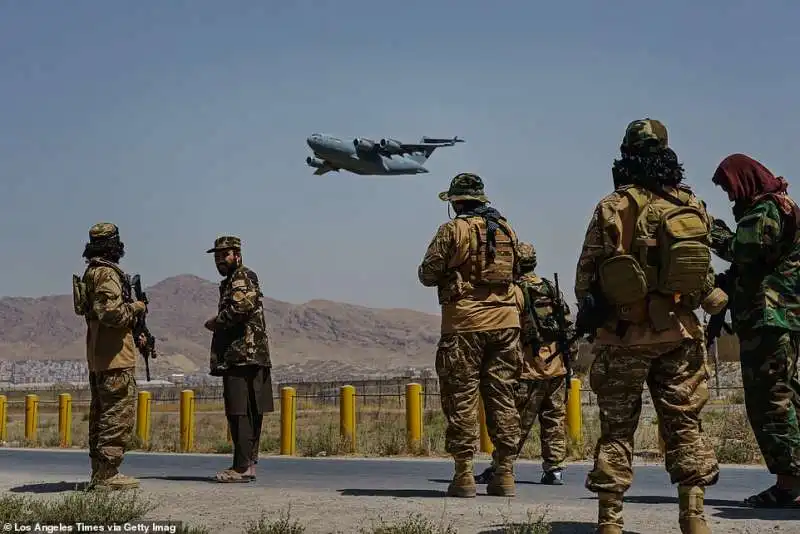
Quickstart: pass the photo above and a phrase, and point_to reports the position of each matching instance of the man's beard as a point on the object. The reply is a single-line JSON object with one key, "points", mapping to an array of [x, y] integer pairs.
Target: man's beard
{"points": [[223, 269]]}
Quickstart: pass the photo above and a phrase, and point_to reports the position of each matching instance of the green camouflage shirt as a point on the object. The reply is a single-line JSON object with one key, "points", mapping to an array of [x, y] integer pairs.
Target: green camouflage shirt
{"points": [[240, 334], [766, 264]]}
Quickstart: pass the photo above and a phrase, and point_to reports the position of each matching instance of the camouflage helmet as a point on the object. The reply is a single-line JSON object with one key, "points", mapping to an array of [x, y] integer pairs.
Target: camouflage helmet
{"points": [[465, 186], [226, 242], [102, 231], [526, 256], [645, 135]]}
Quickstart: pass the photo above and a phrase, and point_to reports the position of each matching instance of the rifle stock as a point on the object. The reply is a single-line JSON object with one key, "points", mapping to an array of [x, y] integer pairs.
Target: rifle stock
{"points": [[147, 348]]}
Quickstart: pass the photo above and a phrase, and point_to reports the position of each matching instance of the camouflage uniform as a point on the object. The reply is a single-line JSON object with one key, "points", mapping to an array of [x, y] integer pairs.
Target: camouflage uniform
{"points": [[541, 388], [103, 297], [479, 347], [765, 309], [240, 354], [651, 337]]}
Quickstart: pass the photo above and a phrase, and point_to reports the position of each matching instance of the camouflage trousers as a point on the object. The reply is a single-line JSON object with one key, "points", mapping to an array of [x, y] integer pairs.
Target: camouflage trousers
{"points": [[677, 378], [112, 415], [768, 358], [487, 362], [543, 400]]}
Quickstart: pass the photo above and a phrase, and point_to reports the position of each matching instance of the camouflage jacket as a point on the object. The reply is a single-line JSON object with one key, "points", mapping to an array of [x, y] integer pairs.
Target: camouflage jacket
{"points": [[240, 335], [766, 267], [110, 316], [540, 331]]}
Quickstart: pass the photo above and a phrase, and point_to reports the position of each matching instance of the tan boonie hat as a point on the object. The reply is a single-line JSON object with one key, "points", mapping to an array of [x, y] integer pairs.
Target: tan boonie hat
{"points": [[103, 230], [645, 134], [226, 242], [465, 186]]}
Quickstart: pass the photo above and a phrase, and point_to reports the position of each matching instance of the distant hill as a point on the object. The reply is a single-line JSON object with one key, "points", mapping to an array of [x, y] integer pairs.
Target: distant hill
{"points": [[316, 338], [320, 339]]}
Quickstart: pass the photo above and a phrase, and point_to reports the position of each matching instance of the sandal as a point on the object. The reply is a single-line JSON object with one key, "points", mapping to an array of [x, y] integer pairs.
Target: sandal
{"points": [[774, 497], [231, 476]]}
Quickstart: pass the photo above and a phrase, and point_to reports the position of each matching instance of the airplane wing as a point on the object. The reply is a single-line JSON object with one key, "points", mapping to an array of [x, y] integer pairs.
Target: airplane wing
{"points": [[391, 146]]}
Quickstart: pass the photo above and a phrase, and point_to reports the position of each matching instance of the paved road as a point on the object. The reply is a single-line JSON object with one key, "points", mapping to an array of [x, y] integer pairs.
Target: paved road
{"points": [[23, 470], [363, 475]]}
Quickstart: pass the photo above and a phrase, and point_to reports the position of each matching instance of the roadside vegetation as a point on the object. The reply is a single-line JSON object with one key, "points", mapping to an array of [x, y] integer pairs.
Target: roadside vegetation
{"points": [[106, 508]]}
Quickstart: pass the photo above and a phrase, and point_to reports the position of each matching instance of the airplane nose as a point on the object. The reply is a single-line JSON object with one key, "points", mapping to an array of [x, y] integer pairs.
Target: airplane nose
{"points": [[314, 141]]}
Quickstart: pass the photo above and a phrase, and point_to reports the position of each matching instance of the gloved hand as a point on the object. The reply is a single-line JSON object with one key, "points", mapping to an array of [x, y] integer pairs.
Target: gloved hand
{"points": [[139, 307]]}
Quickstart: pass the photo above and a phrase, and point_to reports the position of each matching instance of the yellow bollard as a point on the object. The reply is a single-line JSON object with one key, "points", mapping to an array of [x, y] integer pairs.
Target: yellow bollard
{"points": [[143, 417], [288, 417], [187, 420], [347, 416], [574, 415], [31, 416], [65, 419], [485, 440], [413, 415], [3, 418]]}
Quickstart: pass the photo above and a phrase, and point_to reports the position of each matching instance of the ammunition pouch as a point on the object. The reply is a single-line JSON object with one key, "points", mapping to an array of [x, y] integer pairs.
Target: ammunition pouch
{"points": [[622, 280]]}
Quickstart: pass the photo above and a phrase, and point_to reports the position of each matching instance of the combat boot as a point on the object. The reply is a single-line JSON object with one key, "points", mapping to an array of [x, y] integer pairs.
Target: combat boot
{"points": [[690, 515], [609, 513], [108, 477], [502, 482], [463, 484]]}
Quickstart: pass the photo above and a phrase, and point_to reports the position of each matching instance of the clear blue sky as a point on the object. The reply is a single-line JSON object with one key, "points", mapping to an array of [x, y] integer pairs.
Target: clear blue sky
{"points": [[183, 120]]}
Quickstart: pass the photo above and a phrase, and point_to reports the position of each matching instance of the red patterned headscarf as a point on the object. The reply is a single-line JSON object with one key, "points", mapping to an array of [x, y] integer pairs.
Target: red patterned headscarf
{"points": [[747, 181]]}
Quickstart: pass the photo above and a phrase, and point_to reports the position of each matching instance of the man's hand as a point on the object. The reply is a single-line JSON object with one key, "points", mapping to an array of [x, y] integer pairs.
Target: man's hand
{"points": [[141, 340], [211, 324], [139, 307]]}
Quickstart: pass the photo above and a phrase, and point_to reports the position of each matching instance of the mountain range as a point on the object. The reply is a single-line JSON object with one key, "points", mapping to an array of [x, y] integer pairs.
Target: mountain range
{"points": [[319, 338]]}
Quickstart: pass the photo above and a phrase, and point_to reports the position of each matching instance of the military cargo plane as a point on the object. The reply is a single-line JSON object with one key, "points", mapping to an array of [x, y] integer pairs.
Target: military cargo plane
{"points": [[366, 157]]}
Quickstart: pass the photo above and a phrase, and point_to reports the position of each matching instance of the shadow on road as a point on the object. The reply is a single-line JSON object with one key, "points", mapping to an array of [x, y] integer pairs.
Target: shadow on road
{"points": [[726, 509], [669, 499], [556, 527], [392, 493], [50, 487], [524, 482], [180, 478]]}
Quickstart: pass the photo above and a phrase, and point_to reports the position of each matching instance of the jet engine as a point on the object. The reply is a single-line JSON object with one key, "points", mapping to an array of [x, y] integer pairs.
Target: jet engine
{"points": [[364, 145], [314, 162], [392, 146]]}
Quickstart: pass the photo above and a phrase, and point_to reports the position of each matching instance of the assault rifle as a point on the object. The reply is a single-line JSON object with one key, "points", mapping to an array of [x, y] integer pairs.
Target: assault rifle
{"points": [[564, 339], [148, 348]]}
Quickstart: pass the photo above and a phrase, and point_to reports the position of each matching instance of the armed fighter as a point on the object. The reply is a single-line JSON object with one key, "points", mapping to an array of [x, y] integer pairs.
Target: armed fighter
{"points": [[367, 157]]}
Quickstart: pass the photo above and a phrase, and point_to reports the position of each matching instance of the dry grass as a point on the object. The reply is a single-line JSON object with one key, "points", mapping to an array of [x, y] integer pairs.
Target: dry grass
{"points": [[117, 508], [380, 431]]}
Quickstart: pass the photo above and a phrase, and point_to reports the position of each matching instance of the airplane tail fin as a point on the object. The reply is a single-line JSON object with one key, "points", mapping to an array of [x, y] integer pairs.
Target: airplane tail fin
{"points": [[434, 143]]}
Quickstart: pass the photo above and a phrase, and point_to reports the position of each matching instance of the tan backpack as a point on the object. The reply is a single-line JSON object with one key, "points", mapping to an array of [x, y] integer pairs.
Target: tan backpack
{"points": [[670, 251]]}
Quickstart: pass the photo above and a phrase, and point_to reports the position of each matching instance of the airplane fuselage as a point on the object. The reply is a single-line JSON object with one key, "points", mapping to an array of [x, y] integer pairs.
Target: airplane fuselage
{"points": [[344, 155]]}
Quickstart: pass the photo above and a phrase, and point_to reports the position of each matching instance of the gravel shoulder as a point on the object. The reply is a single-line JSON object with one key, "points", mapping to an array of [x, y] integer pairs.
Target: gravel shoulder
{"points": [[341, 495]]}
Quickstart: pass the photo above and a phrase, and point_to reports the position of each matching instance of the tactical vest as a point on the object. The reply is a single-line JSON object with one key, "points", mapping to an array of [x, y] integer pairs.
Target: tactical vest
{"points": [[82, 293], [540, 302], [670, 251], [482, 270]]}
